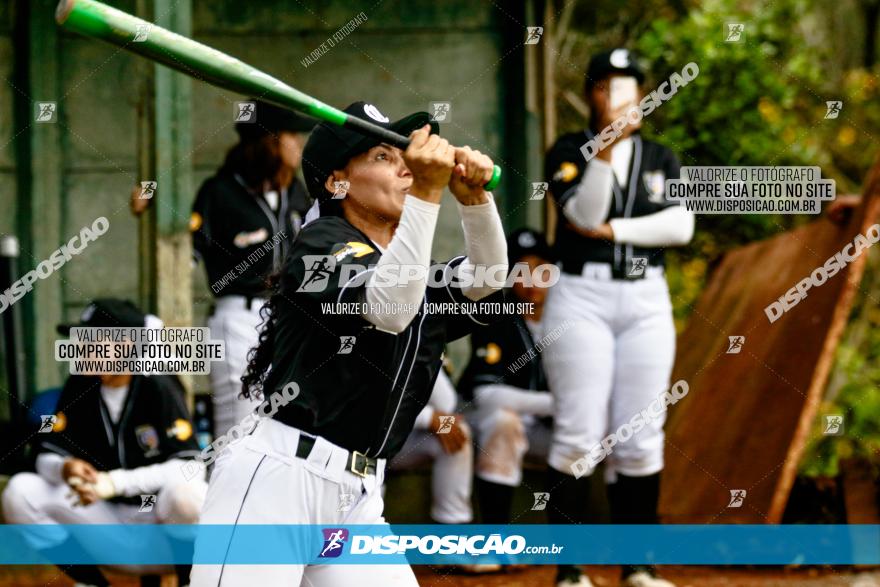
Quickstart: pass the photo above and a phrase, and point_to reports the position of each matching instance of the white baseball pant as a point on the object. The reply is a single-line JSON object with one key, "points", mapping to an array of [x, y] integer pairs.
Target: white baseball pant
{"points": [[613, 358], [451, 476], [504, 439], [30, 499], [238, 327], [259, 481]]}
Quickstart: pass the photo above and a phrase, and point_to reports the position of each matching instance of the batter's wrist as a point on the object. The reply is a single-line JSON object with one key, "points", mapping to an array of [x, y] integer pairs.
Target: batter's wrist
{"points": [[473, 199], [427, 193]]}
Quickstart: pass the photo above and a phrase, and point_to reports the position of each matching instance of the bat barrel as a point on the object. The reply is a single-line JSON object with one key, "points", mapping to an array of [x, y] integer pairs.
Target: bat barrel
{"points": [[94, 19]]}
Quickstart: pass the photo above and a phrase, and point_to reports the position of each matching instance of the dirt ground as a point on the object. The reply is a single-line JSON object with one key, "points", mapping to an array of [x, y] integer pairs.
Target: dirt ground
{"points": [[46, 576]]}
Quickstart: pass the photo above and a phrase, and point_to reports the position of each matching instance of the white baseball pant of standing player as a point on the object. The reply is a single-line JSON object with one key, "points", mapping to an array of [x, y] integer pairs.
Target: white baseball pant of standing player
{"points": [[612, 362]]}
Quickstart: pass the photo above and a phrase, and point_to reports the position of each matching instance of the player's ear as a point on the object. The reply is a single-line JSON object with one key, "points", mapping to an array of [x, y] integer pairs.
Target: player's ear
{"points": [[332, 179]]}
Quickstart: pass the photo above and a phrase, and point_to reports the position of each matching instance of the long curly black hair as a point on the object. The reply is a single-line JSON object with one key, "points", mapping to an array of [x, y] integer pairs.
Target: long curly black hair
{"points": [[260, 357]]}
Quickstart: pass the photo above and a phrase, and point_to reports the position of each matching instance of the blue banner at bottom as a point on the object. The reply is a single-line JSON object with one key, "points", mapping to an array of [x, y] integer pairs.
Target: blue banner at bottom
{"points": [[441, 544]]}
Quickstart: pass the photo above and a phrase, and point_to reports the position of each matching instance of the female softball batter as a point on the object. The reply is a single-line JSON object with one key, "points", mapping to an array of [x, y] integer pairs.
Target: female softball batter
{"points": [[362, 378]]}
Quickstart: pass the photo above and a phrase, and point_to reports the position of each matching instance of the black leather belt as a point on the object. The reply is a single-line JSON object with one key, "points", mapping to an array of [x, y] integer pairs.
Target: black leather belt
{"points": [[358, 463], [629, 272]]}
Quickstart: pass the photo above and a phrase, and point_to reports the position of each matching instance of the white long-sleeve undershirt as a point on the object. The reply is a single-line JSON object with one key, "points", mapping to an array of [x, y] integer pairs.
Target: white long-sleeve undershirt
{"points": [[673, 226], [128, 482], [411, 245], [591, 202], [521, 401], [485, 245], [148, 479]]}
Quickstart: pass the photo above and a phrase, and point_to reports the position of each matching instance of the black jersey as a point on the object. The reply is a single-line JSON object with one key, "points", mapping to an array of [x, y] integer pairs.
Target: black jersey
{"points": [[651, 165], [154, 424], [505, 353], [238, 235], [360, 388]]}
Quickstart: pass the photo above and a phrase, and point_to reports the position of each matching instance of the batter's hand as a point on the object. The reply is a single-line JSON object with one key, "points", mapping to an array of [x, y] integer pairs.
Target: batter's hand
{"points": [[472, 171], [430, 158], [453, 439]]}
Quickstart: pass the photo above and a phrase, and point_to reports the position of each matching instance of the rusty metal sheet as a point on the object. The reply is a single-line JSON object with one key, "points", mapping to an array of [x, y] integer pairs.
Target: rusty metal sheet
{"points": [[747, 416]]}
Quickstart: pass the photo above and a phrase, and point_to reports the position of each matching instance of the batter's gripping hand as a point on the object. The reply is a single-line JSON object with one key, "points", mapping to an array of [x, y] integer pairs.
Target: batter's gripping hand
{"points": [[472, 171], [430, 159]]}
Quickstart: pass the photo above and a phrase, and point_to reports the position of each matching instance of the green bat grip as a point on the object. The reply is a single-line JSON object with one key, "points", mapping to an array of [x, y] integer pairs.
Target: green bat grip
{"points": [[496, 179]]}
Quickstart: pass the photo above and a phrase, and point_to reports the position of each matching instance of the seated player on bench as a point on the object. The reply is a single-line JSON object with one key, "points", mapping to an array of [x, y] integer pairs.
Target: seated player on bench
{"points": [[114, 456]]}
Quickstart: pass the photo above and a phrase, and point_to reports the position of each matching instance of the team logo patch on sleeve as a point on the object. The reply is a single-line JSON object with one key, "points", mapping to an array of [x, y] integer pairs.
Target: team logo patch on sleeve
{"points": [[60, 422], [491, 353], [655, 183], [181, 430], [148, 440], [351, 249], [566, 172]]}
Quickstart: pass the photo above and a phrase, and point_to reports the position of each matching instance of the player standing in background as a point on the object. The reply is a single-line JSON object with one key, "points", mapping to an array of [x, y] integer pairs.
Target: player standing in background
{"points": [[512, 404], [243, 221], [356, 403], [114, 456], [616, 357]]}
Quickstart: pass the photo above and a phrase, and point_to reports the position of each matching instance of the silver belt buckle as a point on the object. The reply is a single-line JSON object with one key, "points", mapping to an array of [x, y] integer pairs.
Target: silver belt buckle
{"points": [[352, 466]]}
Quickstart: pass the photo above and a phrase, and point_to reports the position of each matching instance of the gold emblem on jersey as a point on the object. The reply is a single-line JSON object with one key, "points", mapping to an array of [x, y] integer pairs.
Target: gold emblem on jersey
{"points": [[352, 249], [60, 422], [566, 172], [181, 430], [195, 221], [491, 353]]}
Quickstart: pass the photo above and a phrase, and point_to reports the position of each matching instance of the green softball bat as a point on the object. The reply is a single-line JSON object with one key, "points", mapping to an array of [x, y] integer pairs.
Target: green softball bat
{"points": [[97, 20]]}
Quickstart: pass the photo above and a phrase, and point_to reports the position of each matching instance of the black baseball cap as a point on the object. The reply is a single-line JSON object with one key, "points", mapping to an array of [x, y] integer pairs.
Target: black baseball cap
{"points": [[614, 61], [107, 313], [271, 119], [330, 146], [525, 241]]}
